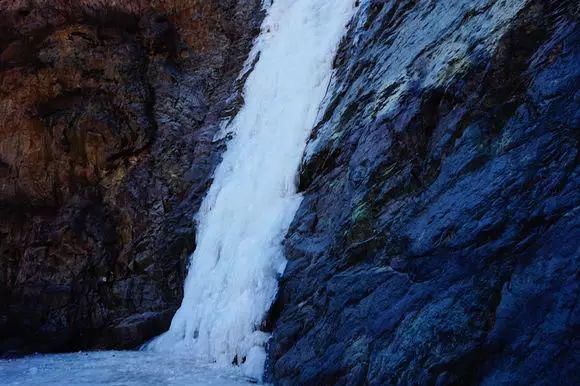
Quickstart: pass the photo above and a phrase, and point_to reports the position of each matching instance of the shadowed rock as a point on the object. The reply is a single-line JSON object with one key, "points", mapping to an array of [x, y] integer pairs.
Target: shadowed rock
{"points": [[107, 119], [437, 242]]}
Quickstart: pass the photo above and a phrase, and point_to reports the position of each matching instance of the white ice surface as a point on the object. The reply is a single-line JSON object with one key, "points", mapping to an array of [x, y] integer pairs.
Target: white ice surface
{"points": [[234, 271], [118, 368]]}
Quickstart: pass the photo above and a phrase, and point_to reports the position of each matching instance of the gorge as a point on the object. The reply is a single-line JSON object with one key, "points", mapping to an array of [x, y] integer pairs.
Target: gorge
{"points": [[390, 200]]}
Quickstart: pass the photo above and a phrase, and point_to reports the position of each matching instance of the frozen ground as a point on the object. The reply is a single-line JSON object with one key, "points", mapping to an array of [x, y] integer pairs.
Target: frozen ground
{"points": [[115, 368]]}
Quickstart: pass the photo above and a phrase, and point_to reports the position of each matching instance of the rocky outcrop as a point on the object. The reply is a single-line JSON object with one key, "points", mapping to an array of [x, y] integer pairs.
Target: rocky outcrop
{"points": [[108, 112], [437, 242]]}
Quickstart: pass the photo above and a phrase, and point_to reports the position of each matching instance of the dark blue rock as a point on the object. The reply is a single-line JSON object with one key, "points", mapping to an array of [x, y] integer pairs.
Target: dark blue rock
{"points": [[438, 239]]}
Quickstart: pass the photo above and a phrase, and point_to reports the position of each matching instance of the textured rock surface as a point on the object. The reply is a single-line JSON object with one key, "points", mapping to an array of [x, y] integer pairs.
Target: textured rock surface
{"points": [[437, 242], [107, 116]]}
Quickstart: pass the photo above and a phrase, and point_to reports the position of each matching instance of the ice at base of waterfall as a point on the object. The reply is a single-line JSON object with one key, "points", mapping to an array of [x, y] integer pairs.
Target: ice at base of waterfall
{"points": [[116, 368]]}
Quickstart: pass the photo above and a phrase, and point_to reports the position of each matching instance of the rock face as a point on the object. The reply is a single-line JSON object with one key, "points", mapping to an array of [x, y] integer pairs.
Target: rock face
{"points": [[438, 239], [107, 119]]}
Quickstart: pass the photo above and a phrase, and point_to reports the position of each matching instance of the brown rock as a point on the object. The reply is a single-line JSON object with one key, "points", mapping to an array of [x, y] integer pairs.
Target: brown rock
{"points": [[107, 114]]}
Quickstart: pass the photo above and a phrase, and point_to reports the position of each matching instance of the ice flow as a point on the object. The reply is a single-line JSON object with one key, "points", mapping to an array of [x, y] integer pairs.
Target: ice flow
{"points": [[233, 273]]}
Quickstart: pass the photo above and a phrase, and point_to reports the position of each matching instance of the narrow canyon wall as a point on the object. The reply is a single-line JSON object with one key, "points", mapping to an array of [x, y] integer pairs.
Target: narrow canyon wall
{"points": [[437, 242], [107, 115]]}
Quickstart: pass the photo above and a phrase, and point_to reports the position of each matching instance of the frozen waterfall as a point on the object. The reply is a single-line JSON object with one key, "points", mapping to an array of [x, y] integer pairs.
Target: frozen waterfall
{"points": [[233, 274]]}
